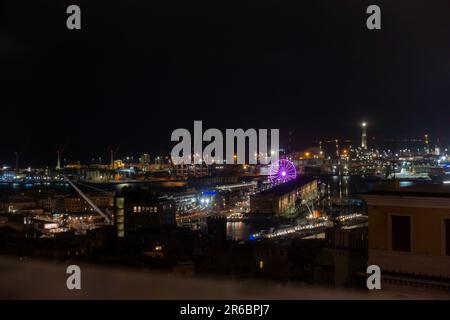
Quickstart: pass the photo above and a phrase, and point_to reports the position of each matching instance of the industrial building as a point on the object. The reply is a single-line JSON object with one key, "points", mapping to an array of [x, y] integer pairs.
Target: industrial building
{"points": [[139, 209], [283, 198]]}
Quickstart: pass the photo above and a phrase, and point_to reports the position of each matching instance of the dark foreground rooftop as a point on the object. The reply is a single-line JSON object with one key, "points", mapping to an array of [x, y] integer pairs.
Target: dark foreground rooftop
{"points": [[44, 280]]}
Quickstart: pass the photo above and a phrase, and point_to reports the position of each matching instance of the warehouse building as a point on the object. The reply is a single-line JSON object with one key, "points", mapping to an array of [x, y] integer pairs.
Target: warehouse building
{"points": [[283, 198]]}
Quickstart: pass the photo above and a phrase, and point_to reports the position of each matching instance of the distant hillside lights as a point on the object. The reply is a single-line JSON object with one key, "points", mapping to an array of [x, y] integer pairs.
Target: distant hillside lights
{"points": [[213, 152]]}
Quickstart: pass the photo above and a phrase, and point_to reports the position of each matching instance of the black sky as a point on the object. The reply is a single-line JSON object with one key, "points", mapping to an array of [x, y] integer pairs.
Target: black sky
{"points": [[140, 69]]}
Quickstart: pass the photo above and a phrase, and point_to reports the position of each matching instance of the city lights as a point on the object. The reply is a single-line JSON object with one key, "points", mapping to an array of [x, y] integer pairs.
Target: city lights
{"points": [[213, 151]]}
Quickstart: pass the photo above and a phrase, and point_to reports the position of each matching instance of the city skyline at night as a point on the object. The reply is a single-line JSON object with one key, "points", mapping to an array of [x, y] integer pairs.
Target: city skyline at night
{"points": [[67, 154], [192, 150]]}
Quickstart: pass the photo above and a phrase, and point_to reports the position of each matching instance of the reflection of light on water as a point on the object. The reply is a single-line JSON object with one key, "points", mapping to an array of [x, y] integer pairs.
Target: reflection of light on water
{"points": [[121, 185], [241, 231], [236, 230], [406, 183]]}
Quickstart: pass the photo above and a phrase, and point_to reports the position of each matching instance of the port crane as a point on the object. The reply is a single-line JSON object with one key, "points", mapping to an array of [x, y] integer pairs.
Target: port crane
{"points": [[89, 201]]}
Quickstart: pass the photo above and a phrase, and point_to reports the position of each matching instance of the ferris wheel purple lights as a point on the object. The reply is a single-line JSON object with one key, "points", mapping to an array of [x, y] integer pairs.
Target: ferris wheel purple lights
{"points": [[282, 171]]}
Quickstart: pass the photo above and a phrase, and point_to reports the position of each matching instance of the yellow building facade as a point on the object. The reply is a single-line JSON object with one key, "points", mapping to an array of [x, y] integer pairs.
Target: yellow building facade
{"points": [[409, 231]]}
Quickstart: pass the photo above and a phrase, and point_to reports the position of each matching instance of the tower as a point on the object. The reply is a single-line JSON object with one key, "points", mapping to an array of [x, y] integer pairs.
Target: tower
{"points": [[427, 144], [363, 135], [16, 154], [145, 159], [58, 160], [337, 147], [112, 159]]}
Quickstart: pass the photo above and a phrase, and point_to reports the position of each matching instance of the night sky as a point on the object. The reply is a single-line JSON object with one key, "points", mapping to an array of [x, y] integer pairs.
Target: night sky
{"points": [[140, 69]]}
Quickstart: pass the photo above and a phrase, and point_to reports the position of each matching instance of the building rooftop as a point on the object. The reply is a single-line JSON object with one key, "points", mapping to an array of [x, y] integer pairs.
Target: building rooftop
{"points": [[136, 194], [288, 186], [428, 190], [20, 282]]}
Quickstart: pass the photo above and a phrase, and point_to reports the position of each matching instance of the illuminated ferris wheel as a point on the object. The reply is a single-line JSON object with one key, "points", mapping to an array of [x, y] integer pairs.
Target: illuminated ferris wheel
{"points": [[282, 171]]}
